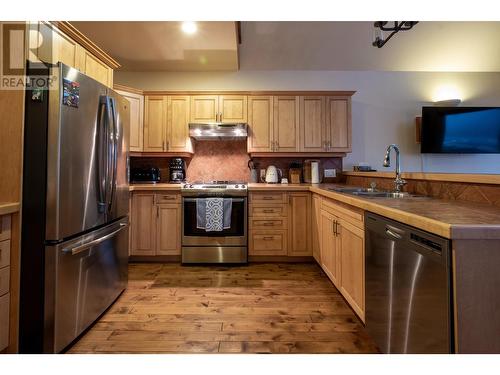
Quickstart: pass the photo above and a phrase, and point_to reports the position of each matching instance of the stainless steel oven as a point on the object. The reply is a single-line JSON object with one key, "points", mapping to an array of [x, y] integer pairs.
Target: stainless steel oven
{"points": [[226, 246]]}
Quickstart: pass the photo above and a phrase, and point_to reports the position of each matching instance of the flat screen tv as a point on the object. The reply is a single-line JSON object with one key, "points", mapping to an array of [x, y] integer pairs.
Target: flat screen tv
{"points": [[460, 130]]}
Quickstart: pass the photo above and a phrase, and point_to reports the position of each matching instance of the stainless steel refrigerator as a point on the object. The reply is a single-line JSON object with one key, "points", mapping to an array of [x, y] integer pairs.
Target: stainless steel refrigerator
{"points": [[74, 242]]}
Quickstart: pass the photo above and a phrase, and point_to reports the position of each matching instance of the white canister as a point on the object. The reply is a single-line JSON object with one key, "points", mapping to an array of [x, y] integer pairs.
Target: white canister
{"points": [[315, 172]]}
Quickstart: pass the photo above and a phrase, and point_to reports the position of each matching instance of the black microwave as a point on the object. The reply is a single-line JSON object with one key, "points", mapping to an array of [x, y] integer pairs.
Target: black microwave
{"points": [[145, 175]]}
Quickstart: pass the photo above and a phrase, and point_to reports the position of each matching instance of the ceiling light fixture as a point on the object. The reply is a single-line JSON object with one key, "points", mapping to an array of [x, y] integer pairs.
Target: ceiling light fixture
{"points": [[393, 26], [189, 27]]}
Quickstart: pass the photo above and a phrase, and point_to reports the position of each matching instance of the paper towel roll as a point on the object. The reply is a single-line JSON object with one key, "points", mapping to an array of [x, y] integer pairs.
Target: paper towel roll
{"points": [[315, 172]]}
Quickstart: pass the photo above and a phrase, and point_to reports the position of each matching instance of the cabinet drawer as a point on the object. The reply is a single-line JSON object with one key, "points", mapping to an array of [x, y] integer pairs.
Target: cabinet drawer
{"points": [[351, 214], [4, 321], [268, 243], [263, 223], [4, 253], [268, 211], [4, 280], [167, 198], [4, 227], [268, 197]]}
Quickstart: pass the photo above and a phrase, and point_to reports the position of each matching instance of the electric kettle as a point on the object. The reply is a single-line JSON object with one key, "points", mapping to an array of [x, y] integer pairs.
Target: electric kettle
{"points": [[273, 175]]}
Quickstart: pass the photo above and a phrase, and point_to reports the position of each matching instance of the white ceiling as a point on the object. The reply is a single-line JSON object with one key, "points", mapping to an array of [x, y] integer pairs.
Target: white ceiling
{"points": [[162, 46], [429, 46]]}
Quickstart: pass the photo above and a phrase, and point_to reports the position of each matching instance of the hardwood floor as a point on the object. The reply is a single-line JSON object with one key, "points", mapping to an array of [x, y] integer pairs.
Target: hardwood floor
{"points": [[260, 308]]}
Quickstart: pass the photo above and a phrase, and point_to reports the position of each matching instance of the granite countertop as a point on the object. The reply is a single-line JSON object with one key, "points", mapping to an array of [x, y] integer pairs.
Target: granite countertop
{"points": [[446, 218], [9, 207]]}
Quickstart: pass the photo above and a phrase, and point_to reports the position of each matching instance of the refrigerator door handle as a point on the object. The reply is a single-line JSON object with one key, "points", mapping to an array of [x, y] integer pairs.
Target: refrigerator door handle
{"points": [[102, 161], [78, 249], [114, 145]]}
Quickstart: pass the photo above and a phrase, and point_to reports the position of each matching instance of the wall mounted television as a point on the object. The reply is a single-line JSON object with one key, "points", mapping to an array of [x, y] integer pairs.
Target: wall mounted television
{"points": [[460, 130]]}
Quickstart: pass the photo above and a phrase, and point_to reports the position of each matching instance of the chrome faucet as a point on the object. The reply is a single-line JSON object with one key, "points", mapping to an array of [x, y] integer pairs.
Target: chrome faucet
{"points": [[398, 182]]}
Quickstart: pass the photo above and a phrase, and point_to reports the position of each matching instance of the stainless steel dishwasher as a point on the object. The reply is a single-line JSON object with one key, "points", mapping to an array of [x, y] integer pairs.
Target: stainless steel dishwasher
{"points": [[408, 288]]}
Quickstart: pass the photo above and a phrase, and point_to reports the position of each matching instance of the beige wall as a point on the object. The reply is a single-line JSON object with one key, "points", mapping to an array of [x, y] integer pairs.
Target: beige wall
{"points": [[384, 106]]}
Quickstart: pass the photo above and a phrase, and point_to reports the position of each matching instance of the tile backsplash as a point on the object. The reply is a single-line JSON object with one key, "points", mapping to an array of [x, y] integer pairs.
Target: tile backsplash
{"points": [[226, 160]]}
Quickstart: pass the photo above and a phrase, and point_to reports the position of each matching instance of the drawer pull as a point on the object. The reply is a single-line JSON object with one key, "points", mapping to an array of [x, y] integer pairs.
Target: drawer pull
{"points": [[268, 211], [267, 198], [268, 224], [168, 197], [268, 238]]}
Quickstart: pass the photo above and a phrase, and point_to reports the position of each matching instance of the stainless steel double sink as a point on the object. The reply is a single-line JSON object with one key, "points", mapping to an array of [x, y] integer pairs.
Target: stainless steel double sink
{"points": [[373, 193]]}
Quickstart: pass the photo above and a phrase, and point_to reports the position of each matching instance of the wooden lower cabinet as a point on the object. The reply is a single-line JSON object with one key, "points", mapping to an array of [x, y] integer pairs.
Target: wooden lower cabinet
{"points": [[268, 242], [5, 275], [168, 229], [300, 224], [155, 226], [316, 227], [342, 250], [352, 259], [142, 224], [330, 261]]}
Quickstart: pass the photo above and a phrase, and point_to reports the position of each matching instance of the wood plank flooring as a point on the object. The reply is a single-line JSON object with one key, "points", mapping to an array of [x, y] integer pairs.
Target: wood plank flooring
{"points": [[259, 308]]}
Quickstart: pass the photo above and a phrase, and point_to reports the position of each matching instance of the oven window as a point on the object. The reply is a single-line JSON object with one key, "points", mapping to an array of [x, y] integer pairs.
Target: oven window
{"points": [[237, 228]]}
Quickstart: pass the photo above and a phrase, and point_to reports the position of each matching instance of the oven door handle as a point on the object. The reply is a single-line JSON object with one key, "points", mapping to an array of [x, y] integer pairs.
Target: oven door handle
{"points": [[235, 200]]}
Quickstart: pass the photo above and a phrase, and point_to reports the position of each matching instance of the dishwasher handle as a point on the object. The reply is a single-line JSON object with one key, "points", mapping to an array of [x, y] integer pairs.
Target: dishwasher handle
{"points": [[393, 232]]}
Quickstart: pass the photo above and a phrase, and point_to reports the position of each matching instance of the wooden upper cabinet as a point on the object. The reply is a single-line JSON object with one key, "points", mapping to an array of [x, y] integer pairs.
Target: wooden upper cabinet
{"points": [[136, 105], [299, 224], [204, 108], [62, 48], [233, 108], [155, 113], [93, 67], [168, 229], [178, 124], [286, 124], [338, 123], [66, 49], [352, 257], [312, 124], [260, 123]]}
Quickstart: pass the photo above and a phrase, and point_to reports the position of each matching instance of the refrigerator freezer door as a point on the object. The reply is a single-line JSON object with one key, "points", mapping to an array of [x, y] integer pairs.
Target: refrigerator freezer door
{"points": [[72, 167], [83, 278]]}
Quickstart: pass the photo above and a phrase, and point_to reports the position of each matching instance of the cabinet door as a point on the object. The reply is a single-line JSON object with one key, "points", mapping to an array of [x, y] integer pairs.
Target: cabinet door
{"points": [[155, 113], [233, 108], [168, 229], [300, 224], [204, 108], [286, 123], [60, 48], [329, 251], [338, 121], [260, 123], [143, 224], [352, 255], [136, 105], [93, 67], [316, 227], [178, 124], [312, 124]]}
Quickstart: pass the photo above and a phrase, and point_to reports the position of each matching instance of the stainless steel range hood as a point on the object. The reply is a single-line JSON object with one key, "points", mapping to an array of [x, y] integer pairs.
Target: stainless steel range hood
{"points": [[216, 131]]}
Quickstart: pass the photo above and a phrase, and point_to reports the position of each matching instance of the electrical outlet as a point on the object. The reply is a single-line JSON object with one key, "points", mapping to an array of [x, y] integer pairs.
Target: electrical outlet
{"points": [[330, 173]]}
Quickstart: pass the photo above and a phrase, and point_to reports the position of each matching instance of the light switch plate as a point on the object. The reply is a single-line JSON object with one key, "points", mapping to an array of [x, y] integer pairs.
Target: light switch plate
{"points": [[330, 173]]}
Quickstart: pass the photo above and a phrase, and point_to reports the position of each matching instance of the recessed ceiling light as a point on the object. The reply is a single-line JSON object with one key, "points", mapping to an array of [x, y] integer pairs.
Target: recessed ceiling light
{"points": [[189, 27]]}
